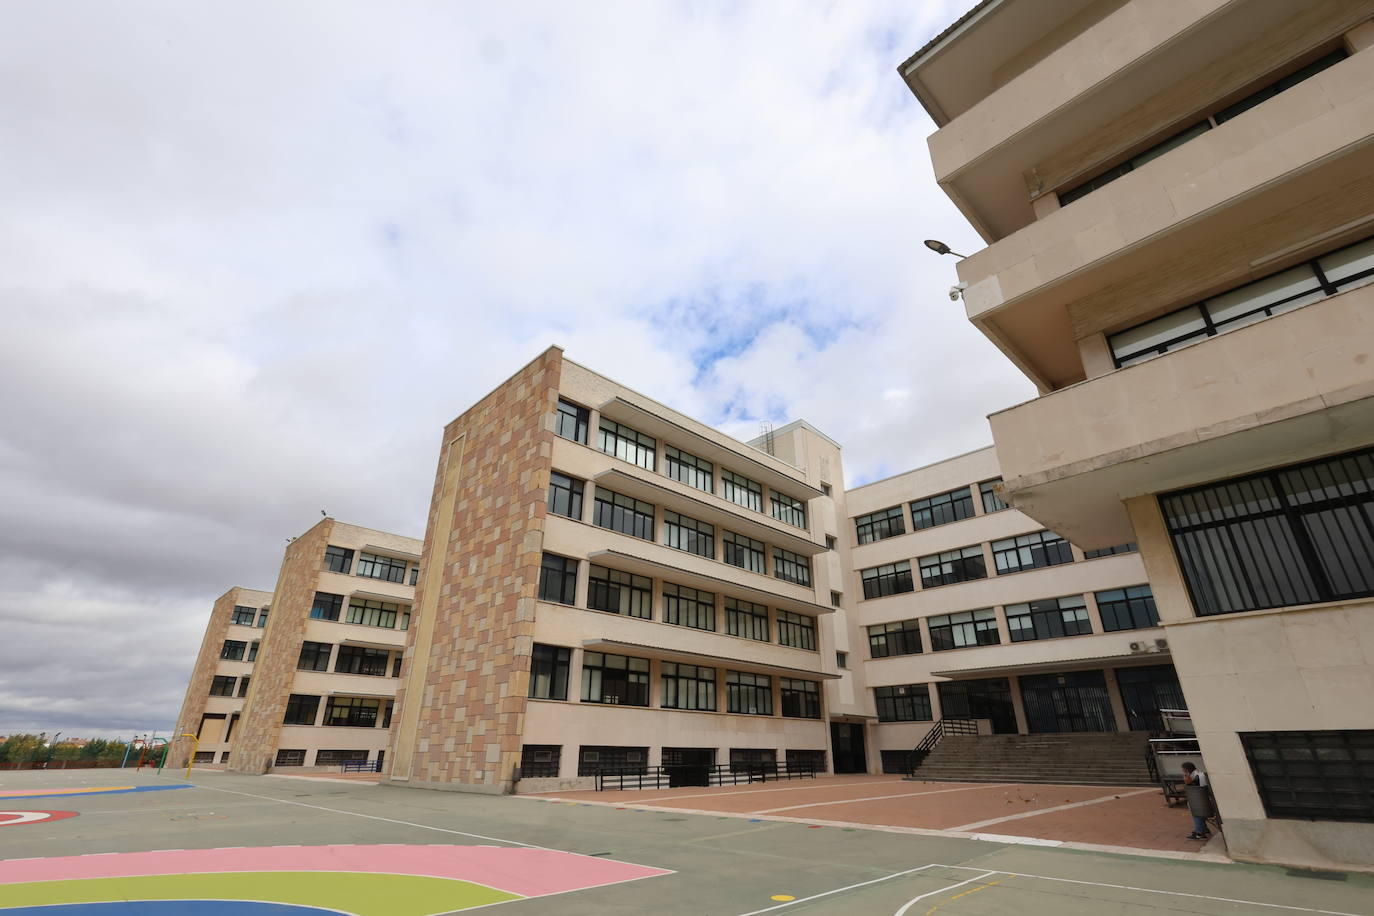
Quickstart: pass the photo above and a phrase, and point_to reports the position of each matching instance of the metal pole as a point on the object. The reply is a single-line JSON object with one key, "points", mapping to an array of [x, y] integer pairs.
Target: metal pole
{"points": [[191, 759]]}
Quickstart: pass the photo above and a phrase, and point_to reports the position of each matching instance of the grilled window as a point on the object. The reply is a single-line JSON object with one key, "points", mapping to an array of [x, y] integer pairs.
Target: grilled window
{"points": [[953, 566], [557, 579], [571, 421], [352, 712], [966, 628], [741, 490], [746, 553], [627, 444], [362, 660], [290, 757], [565, 496], [539, 760], [233, 650], [615, 679], [683, 533], [620, 592], [903, 703], [799, 699], [900, 638], [1127, 608], [691, 470], [388, 569], [877, 526], [338, 559], [791, 567], [751, 694], [549, 667], [301, 709], [1314, 775], [796, 630], [891, 579], [786, 509], [1031, 551], [314, 656], [743, 618], [942, 508], [1048, 618], [624, 514], [593, 759], [688, 687], [326, 606], [688, 607]]}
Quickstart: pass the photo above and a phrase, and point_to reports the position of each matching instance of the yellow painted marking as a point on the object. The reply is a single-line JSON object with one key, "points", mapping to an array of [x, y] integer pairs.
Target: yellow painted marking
{"points": [[783, 897], [974, 890]]}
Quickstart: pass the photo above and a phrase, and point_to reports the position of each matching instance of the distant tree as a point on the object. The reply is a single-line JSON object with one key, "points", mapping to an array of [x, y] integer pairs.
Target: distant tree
{"points": [[66, 751], [23, 748]]}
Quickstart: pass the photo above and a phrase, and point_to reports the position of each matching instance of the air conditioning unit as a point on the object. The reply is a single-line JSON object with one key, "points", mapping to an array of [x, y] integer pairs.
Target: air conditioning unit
{"points": [[1162, 645]]}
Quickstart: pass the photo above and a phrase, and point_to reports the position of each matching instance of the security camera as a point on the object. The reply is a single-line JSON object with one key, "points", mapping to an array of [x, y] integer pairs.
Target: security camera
{"points": [[956, 292]]}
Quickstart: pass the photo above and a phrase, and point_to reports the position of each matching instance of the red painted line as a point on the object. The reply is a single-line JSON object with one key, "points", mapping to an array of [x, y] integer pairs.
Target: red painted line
{"points": [[16, 818]]}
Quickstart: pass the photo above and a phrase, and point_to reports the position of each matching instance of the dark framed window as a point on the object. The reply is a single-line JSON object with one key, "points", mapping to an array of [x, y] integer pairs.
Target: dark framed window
{"points": [[1130, 608], [388, 569], [593, 759], [371, 613], [1296, 535], [787, 509], [746, 553], [836, 599], [750, 694], [1129, 547], [744, 618], [362, 660], [1313, 775], [570, 421], [352, 712], [942, 508], [338, 559], [204, 757], [1048, 618], [624, 514], [992, 499], [222, 686], [688, 607], [615, 679], [627, 444], [414, 574], [396, 665], [314, 656], [233, 650], [689, 687], [903, 703], [691, 470], [557, 579], [1030, 551], [831, 542], [966, 628], [244, 616], [565, 495], [243, 685], [791, 567], [890, 579], [741, 490], [841, 659], [620, 592], [683, 533], [796, 630], [334, 757], [878, 526], [953, 566], [549, 668], [900, 638], [688, 756], [799, 699], [262, 617], [753, 758], [326, 606], [301, 709], [290, 757], [253, 650], [539, 761]]}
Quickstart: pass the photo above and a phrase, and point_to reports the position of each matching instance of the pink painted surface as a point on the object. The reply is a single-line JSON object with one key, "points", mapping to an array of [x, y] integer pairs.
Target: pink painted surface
{"points": [[522, 870]]}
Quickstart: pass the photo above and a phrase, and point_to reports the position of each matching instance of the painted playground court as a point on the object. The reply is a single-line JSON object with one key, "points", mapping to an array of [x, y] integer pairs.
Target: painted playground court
{"points": [[112, 843]]}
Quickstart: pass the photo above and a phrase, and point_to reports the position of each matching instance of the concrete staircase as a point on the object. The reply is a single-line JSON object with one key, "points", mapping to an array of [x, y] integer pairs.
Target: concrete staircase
{"points": [[1087, 758]]}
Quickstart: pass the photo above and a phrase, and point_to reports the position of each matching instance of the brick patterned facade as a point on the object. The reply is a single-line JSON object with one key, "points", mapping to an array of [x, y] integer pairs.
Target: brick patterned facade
{"points": [[198, 691], [468, 655]]}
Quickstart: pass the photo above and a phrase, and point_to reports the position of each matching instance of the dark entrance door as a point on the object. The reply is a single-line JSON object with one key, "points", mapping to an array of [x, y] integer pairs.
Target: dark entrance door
{"points": [[1145, 691], [847, 745], [989, 698], [1076, 701]]}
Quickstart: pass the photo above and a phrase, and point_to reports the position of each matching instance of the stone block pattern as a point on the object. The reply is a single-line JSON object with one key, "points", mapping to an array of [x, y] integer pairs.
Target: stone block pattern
{"points": [[476, 597], [198, 690], [255, 745]]}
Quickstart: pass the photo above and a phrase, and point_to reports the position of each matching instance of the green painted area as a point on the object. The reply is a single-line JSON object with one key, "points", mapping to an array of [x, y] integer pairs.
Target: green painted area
{"points": [[348, 892]]}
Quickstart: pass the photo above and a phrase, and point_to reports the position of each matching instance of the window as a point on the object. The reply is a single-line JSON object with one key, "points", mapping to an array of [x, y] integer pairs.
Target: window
{"points": [[1030, 551], [627, 444], [689, 687], [557, 579], [751, 694], [549, 666], [758, 759], [992, 499], [370, 613], [942, 508], [741, 490], [831, 542], [1317, 775], [841, 659], [539, 761], [388, 569], [414, 574], [353, 712], [620, 592], [888, 639], [799, 699], [743, 618], [204, 757], [688, 607], [953, 566], [336, 758], [594, 759], [314, 656], [796, 630], [616, 679], [624, 514], [791, 567], [746, 553], [570, 421], [224, 758], [222, 686], [233, 650], [1048, 618], [905, 703], [243, 686], [878, 526], [338, 559], [396, 665], [966, 628], [1127, 608], [1295, 535], [290, 757], [825, 489], [244, 616], [362, 660], [565, 495], [301, 709], [786, 509], [691, 470], [253, 650], [1129, 547], [262, 617], [683, 533], [689, 756], [326, 606], [892, 579], [897, 762]]}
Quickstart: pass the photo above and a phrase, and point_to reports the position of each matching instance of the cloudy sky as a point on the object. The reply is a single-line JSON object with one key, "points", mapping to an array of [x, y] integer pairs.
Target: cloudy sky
{"points": [[257, 254]]}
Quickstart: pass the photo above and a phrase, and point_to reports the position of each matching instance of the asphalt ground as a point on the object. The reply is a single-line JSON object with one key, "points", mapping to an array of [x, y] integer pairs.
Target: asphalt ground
{"points": [[720, 865]]}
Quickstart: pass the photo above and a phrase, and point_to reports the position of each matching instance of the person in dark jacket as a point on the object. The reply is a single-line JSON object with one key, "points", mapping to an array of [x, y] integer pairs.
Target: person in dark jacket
{"points": [[1199, 800]]}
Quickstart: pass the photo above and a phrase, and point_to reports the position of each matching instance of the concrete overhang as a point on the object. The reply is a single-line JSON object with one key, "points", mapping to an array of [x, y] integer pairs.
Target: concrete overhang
{"points": [[390, 552], [367, 644], [700, 658], [391, 599], [643, 566], [365, 696], [1161, 657]]}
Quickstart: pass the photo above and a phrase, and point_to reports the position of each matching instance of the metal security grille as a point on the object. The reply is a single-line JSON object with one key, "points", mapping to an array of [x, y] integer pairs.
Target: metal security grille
{"points": [[1325, 775], [593, 759], [1297, 535], [1071, 702], [539, 760]]}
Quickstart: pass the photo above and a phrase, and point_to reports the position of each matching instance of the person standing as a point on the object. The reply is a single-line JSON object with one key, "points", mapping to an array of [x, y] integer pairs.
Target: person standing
{"points": [[1199, 800]]}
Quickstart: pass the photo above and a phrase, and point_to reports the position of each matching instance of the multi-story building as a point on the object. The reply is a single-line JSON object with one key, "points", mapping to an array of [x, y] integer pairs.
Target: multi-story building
{"points": [[1178, 201]]}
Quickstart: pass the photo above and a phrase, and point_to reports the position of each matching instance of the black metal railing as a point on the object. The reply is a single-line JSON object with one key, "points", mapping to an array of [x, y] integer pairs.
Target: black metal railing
{"points": [[933, 737], [361, 766], [538, 769], [721, 774]]}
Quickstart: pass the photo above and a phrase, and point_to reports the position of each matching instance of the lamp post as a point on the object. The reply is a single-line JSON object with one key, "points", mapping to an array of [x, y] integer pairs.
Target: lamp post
{"points": [[192, 757], [940, 247]]}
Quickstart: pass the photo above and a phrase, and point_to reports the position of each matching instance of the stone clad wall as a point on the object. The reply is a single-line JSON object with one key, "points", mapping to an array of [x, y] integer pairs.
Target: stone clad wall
{"points": [[468, 652], [198, 690]]}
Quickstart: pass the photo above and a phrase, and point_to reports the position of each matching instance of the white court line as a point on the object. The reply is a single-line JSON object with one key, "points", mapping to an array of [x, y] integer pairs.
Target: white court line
{"points": [[1016, 817], [834, 785], [906, 906], [846, 801], [838, 890]]}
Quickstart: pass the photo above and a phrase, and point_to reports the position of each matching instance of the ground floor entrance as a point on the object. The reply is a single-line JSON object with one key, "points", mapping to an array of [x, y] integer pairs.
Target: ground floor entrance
{"points": [[1075, 701], [989, 698], [1145, 691], [847, 747]]}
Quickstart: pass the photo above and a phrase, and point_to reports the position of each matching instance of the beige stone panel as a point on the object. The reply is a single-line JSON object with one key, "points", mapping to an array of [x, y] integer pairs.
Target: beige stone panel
{"points": [[939, 477], [1201, 646], [1232, 783], [1362, 622], [1258, 644], [336, 632], [326, 683], [1217, 701], [1340, 696], [1278, 698], [1324, 638], [900, 736]]}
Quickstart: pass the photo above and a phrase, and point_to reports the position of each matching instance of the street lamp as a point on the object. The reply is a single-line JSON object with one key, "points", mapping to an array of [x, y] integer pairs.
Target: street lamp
{"points": [[940, 247]]}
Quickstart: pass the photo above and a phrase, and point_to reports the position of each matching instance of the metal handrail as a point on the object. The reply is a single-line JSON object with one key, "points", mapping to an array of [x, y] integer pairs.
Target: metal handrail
{"points": [[935, 736]]}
